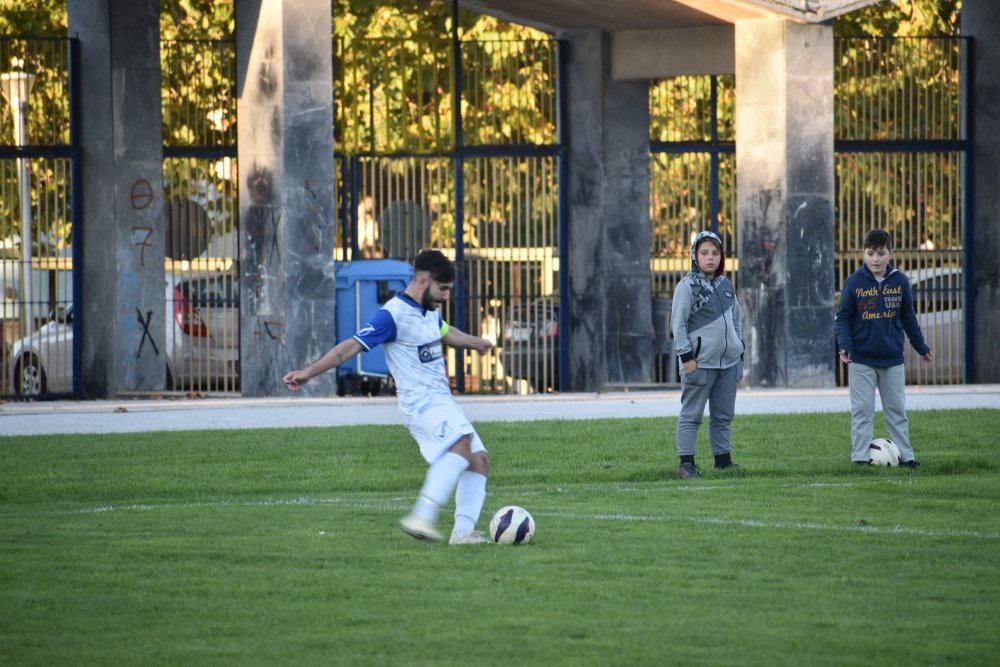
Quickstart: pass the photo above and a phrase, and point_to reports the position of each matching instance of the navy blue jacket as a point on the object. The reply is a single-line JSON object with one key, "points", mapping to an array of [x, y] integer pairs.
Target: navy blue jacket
{"points": [[872, 317]]}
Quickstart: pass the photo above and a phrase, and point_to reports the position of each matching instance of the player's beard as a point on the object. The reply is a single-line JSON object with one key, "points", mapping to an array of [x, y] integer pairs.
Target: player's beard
{"points": [[426, 301]]}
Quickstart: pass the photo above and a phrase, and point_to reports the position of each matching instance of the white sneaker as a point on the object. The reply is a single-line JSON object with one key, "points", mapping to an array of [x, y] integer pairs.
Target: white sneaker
{"points": [[419, 529], [472, 537]]}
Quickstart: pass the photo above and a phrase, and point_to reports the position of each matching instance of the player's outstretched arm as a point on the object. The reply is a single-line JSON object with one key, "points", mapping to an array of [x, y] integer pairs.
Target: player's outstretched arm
{"points": [[341, 352], [458, 338]]}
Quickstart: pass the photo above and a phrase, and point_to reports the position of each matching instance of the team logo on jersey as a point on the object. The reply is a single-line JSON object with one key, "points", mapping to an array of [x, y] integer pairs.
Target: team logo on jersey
{"points": [[429, 352]]}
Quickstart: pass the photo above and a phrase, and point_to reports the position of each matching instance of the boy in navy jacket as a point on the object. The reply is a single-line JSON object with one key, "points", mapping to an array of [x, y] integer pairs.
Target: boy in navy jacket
{"points": [[876, 308]]}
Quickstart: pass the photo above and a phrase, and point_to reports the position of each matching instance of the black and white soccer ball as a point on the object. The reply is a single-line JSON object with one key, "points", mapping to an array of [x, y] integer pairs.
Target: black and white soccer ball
{"points": [[512, 525], [883, 452]]}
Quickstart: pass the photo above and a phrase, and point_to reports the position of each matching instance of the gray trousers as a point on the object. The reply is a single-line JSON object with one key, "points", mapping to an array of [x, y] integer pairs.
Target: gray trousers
{"points": [[890, 383], [717, 388]]}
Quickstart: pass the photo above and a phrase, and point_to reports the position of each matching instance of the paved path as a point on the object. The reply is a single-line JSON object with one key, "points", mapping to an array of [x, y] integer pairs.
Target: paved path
{"points": [[130, 416]]}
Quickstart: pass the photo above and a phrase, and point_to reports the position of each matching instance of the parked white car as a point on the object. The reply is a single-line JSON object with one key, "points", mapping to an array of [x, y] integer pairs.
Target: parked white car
{"points": [[938, 299], [201, 341], [42, 361]]}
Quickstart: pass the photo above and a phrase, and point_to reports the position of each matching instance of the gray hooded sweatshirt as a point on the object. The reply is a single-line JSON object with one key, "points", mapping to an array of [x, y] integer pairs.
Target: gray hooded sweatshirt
{"points": [[705, 320]]}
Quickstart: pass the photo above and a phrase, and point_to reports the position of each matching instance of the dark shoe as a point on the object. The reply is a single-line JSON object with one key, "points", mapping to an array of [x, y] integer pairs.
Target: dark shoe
{"points": [[862, 463], [688, 471], [728, 466], [910, 464]]}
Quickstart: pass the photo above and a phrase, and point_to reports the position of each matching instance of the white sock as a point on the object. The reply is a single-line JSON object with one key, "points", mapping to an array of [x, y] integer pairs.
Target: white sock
{"points": [[470, 494], [441, 479]]}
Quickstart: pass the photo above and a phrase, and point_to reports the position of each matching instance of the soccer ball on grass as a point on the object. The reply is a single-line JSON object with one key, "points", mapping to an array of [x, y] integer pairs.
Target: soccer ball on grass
{"points": [[512, 525], [883, 452]]}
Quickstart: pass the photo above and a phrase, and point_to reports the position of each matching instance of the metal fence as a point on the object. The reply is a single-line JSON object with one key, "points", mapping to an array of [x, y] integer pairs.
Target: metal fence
{"points": [[37, 164], [484, 185], [692, 186], [200, 215], [901, 165]]}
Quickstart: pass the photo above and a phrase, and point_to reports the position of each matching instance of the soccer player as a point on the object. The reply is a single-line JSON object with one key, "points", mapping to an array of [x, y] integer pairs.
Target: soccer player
{"points": [[876, 308], [411, 330]]}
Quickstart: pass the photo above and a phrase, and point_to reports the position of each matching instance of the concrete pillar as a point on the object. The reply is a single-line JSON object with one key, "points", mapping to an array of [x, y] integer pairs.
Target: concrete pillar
{"points": [[285, 115], [121, 225], [610, 299], [784, 161], [981, 22]]}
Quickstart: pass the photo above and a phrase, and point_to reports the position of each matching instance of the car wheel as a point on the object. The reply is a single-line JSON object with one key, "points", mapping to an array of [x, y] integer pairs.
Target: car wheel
{"points": [[29, 377]]}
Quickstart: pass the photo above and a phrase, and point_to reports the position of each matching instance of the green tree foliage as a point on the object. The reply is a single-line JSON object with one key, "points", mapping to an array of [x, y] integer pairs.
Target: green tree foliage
{"points": [[46, 121], [902, 18], [196, 19], [198, 95], [198, 59], [394, 78], [895, 84], [394, 75], [681, 110], [891, 85], [37, 18]]}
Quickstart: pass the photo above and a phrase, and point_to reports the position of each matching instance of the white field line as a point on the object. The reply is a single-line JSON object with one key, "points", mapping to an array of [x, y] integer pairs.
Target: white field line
{"points": [[694, 487], [401, 501], [772, 525], [401, 504]]}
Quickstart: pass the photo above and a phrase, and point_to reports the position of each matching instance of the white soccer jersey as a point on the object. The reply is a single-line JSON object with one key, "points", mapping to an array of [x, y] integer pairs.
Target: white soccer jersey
{"points": [[411, 337]]}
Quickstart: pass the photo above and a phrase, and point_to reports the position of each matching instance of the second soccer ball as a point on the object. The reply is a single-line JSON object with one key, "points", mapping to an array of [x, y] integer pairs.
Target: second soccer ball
{"points": [[883, 452]]}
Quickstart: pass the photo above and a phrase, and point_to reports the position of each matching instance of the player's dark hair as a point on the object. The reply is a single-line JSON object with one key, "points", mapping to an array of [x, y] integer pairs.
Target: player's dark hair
{"points": [[436, 264], [878, 238]]}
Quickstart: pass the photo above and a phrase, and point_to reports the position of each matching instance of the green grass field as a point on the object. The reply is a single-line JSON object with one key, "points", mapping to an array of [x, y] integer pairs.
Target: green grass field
{"points": [[280, 547]]}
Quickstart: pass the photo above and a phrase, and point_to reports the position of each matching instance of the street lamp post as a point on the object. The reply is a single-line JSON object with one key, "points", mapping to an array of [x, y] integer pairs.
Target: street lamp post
{"points": [[16, 86]]}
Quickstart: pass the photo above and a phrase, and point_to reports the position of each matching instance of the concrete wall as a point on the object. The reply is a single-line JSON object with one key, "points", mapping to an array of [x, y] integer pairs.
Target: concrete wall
{"points": [[785, 196], [285, 116], [658, 54], [981, 22], [610, 337], [784, 159], [121, 315]]}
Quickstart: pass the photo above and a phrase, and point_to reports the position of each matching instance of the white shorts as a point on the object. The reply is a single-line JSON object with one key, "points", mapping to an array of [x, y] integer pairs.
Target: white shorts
{"points": [[440, 425]]}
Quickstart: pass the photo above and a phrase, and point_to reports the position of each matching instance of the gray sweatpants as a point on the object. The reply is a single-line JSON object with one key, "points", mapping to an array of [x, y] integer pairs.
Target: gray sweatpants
{"points": [[891, 389], [717, 387]]}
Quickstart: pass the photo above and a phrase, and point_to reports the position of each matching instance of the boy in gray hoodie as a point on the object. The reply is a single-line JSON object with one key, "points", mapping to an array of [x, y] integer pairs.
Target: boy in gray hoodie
{"points": [[705, 320]]}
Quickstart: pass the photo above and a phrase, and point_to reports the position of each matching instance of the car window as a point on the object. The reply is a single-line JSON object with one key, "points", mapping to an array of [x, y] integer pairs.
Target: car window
{"points": [[211, 292], [938, 292]]}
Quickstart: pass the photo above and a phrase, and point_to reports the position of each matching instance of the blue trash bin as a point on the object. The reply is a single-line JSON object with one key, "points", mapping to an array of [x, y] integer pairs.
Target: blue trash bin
{"points": [[362, 287]]}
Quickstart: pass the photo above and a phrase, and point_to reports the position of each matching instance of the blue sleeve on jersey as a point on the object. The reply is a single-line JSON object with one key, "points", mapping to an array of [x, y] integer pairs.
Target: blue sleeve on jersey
{"points": [[380, 329]]}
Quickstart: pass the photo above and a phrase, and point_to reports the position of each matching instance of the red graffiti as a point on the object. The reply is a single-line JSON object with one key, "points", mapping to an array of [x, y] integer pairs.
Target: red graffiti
{"points": [[141, 195], [275, 331], [144, 243]]}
